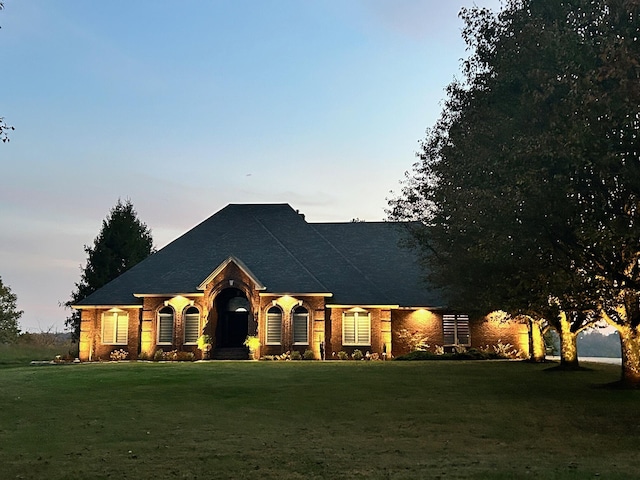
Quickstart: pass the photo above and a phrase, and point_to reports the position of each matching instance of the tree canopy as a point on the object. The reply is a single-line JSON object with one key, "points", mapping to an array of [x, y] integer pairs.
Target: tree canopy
{"points": [[9, 315], [123, 242], [528, 184]]}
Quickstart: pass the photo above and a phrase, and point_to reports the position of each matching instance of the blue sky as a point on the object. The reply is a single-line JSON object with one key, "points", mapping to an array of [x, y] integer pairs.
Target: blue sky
{"points": [[184, 107]]}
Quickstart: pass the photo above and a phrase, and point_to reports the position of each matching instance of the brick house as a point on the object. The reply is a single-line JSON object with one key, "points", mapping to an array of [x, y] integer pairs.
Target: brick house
{"points": [[262, 270]]}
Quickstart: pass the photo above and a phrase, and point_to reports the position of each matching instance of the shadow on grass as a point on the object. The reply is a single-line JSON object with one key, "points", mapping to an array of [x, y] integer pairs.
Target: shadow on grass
{"points": [[619, 385], [568, 368]]}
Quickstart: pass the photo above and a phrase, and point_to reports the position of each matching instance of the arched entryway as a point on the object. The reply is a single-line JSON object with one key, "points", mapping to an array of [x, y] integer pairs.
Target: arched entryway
{"points": [[233, 312]]}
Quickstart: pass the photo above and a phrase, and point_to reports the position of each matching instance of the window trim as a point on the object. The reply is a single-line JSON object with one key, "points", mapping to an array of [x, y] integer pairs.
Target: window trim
{"points": [[293, 325], [266, 332], [173, 325], [184, 322], [357, 315], [459, 322], [118, 314]]}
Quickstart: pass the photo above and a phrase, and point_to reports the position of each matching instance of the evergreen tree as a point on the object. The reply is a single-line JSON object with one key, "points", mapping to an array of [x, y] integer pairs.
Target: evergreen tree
{"points": [[122, 242], [9, 315]]}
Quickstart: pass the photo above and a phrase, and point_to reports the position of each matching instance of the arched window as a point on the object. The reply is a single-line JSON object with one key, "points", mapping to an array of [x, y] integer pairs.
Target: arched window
{"points": [[274, 326], [191, 325], [165, 326], [301, 326]]}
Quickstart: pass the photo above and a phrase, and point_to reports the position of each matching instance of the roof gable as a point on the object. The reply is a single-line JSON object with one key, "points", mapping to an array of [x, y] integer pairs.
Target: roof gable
{"points": [[220, 268]]}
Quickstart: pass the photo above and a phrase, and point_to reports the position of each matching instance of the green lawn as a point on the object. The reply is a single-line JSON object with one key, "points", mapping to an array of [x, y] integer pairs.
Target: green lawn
{"points": [[21, 354], [282, 420]]}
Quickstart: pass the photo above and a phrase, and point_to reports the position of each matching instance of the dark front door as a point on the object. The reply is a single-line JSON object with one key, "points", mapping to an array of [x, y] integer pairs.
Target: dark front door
{"points": [[233, 311], [232, 329]]}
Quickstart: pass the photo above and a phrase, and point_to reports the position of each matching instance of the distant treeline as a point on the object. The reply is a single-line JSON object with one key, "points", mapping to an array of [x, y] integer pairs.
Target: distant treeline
{"points": [[44, 338], [591, 343]]}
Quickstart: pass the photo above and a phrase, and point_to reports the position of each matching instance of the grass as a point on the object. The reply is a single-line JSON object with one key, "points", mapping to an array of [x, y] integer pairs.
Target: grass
{"points": [[23, 353], [313, 420]]}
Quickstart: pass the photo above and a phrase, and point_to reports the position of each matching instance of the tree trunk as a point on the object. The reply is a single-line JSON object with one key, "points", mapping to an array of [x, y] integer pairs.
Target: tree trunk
{"points": [[630, 346], [568, 344], [537, 350]]}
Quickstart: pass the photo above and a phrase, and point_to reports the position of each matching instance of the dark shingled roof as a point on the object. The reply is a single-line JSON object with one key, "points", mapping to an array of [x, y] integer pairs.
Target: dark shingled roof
{"points": [[359, 263]]}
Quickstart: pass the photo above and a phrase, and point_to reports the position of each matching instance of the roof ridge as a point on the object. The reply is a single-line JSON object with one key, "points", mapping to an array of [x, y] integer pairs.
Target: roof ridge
{"points": [[290, 252]]}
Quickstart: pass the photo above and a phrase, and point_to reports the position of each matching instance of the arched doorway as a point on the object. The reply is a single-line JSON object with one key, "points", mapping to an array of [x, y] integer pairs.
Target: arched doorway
{"points": [[233, 311]]}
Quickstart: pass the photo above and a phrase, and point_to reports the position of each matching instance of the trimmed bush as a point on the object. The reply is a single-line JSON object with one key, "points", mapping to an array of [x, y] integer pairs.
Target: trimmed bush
{"points": [[471, 354]]}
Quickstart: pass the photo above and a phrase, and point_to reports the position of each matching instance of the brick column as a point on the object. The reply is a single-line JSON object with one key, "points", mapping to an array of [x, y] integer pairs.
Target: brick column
{"points": [[385, 331], [318, 333]]}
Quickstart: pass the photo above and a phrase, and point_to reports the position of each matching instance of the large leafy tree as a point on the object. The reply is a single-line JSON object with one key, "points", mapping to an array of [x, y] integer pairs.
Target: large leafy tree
{"points": [[528, 183], [9, 315], [122, 242]]}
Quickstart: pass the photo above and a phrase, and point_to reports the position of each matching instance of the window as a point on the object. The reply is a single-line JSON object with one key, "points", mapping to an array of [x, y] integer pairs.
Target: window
{"points": [[165, 326], [356, 328], [301, 326], [456, 329], [191, 325], [115, 328], [274, 326]]}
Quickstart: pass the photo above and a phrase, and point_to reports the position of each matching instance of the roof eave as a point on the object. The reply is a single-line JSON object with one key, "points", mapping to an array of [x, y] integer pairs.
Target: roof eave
{"points": [[167, 294], [296, 294], [101, 307], [232, 258]]}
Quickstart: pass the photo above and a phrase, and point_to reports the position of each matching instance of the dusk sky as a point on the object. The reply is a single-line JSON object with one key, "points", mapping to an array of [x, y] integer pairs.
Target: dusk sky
{"points": [[184, 107]]}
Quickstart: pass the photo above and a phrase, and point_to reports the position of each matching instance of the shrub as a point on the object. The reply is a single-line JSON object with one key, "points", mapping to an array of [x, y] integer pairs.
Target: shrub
{"points": [[252, 342], [505, 350], [342, 355], [282, 357], [421, 355], [295, 355], [118, 355], [459, 348], [185, 356], [204, 342], [470, 354], [413, 340], [357, 354], [144, 356], [173, 356], [308, 355]]}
